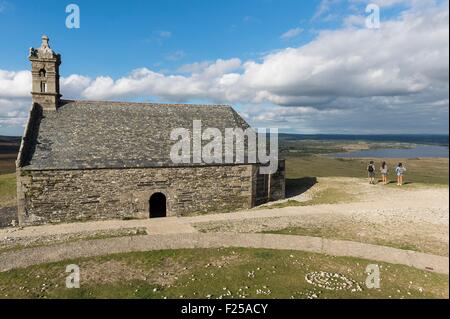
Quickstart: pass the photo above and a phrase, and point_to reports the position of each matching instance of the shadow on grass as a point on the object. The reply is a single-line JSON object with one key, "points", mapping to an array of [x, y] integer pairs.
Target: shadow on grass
{"points": [[298, 186]]}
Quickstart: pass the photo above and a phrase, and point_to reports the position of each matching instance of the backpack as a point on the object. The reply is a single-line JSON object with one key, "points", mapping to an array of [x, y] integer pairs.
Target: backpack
{"points": [[370, 169]]}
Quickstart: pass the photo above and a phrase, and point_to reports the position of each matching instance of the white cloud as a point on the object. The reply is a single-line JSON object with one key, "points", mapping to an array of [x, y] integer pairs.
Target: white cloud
{"points": [[400, 71], [407, 56], [324, 8], [13, 114], [354, 21], [15, 84], [209, 81], [74, 85], [354, 62], [292, 33], [194, 67]]}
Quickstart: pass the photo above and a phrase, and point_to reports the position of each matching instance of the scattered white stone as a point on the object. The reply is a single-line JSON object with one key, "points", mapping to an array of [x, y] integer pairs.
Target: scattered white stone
{"points": [[332, 281]]}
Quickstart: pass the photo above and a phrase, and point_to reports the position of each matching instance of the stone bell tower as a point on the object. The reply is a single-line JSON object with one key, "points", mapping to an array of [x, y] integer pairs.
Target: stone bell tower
{"points": [[45, 76]]}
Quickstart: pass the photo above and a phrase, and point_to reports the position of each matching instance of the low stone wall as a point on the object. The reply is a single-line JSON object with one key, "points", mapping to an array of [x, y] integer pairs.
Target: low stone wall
{"points": [[74, 195]]}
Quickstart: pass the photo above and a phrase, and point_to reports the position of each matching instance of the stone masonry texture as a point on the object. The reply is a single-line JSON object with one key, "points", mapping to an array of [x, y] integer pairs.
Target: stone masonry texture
{"points": [[63, 196]]}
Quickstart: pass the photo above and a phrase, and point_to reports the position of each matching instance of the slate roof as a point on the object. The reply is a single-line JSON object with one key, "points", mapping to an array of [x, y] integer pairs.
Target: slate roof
{"points": [[85, 134]]}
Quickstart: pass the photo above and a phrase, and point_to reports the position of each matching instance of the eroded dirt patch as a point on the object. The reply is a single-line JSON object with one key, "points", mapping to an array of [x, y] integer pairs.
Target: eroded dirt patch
{"points": [[164, 273]]}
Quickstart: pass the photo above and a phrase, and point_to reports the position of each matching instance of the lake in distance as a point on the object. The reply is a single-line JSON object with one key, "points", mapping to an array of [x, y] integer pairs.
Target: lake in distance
{"points": [[417, 151]]}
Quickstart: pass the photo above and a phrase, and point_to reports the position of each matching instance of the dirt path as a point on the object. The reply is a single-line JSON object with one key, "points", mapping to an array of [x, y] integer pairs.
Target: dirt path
{"points": [[412, 205], [418, 213], [38, 255]]}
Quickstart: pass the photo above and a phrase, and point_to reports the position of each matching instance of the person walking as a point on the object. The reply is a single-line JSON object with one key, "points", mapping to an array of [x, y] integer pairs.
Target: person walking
{"points": [[384, 173], [371, 172], [400, 170]]}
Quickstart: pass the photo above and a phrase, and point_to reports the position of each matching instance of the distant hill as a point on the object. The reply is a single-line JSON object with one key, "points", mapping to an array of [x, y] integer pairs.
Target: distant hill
{"points": [[9, 144], [398, 138], [9, 147]]}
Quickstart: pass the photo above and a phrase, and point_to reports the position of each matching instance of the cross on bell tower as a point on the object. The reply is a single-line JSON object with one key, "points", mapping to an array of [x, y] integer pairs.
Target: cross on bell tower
{"points": [[45, 76]]}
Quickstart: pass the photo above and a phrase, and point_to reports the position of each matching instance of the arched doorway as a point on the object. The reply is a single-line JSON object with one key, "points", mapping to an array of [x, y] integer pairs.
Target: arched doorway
{"points": [[157, 205]]}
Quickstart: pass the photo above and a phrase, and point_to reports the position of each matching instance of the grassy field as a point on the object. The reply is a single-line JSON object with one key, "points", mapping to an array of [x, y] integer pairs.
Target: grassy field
{"points": [[370, 233], [302, 147], [221, 273], [324, 196], [7, 163], [9, 146], [423, 170], [7, 189]]}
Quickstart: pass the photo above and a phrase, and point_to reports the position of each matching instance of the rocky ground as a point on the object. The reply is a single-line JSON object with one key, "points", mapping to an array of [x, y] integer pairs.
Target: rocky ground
{"points": [[8, 243], [414, 217]]}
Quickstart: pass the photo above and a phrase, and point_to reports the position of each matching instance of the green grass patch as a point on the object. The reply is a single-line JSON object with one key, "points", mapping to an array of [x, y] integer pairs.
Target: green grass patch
{"points": [[367, 233], [7, 162], [324, 196], [423, 170], [7, 189], [217, 273]]}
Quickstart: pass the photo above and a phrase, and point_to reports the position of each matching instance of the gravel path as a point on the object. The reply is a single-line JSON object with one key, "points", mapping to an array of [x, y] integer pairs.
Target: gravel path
{"points": [[32, 256], [407, 211]]}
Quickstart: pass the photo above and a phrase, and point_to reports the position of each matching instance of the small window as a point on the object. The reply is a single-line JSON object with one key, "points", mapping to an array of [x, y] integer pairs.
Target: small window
{"points": [[44, 87]]}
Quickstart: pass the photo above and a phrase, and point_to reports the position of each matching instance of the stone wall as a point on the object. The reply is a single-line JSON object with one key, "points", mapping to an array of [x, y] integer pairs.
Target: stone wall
{"points": [[277, 185], [269, 187], [74, 195]]}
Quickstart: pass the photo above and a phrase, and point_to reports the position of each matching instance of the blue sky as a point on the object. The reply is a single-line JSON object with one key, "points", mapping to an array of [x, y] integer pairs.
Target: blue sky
{"points": [[151, 33], [235, 52]]}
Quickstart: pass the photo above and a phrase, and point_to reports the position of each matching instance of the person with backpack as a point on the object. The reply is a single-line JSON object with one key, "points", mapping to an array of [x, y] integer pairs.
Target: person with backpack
{"points": [[400, 170], [384, 173], [371, 172]]}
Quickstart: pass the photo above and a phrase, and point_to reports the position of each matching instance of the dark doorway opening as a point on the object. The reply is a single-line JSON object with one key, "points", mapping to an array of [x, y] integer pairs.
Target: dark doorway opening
{"points": [[157, 205]]}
